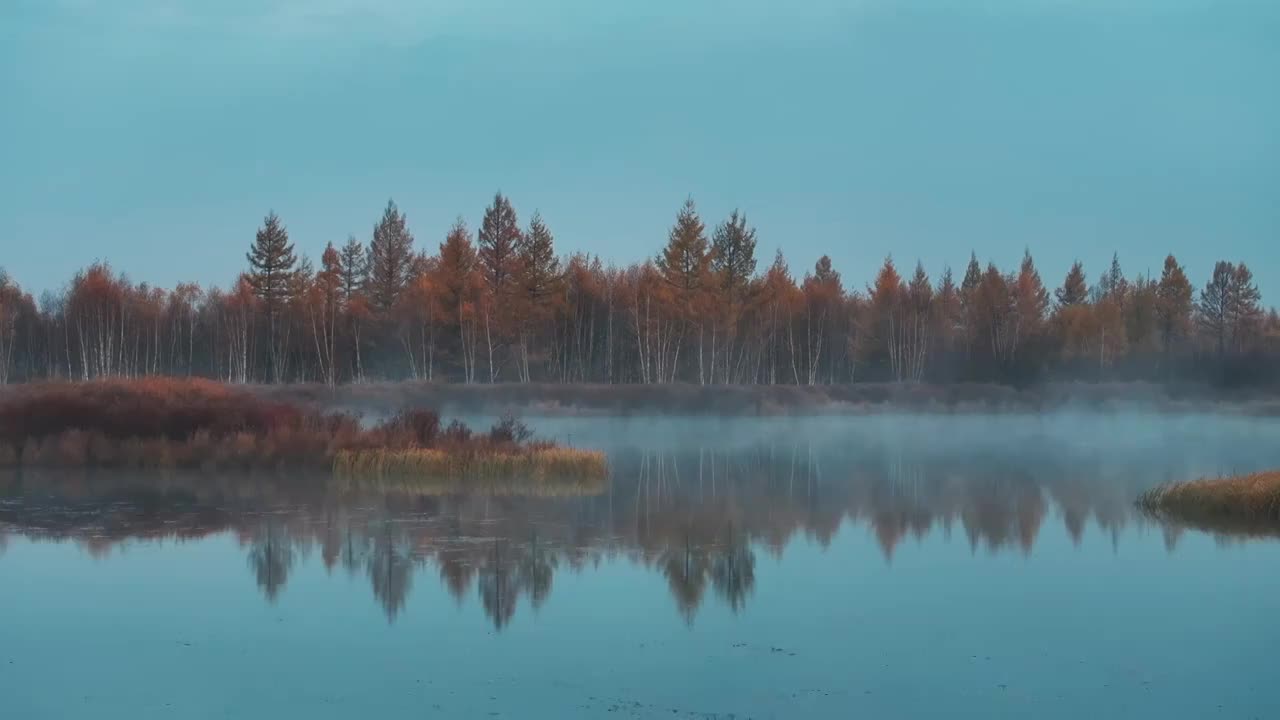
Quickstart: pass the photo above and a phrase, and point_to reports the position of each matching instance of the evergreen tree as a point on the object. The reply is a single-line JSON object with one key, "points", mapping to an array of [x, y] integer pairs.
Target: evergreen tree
{"points": [[824, 273], [972, 277], [354, 268], [538, 266], [390, 258], [273, 280], [497, 244], [1075, 289], [1112, 286], [733, 255], [969, 320], [538, 280], [271, 264]]}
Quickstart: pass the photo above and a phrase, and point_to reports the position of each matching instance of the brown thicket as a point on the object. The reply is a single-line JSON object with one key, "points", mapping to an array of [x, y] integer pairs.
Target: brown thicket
{"points": [[168, 422]]}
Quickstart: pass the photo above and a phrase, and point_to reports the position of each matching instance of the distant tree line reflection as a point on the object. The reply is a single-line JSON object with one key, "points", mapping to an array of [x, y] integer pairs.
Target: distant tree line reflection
{"points": [[697, 517]]}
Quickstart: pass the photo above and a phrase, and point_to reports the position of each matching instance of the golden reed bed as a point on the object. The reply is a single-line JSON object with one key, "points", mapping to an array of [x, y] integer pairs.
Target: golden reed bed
{"points": [[1242, 503], [422, 468]]}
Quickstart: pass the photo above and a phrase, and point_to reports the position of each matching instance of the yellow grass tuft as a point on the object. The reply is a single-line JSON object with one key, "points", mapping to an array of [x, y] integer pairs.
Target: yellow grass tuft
{"points": [[424, 467], [1250, 501]]}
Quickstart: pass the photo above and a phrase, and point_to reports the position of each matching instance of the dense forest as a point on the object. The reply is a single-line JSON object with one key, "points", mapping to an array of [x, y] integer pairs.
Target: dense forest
{"points": [[500, 304]]}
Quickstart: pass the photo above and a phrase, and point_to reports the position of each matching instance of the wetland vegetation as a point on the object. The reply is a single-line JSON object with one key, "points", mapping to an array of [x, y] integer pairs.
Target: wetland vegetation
{"points": [[165, 423], [1247, 503]]}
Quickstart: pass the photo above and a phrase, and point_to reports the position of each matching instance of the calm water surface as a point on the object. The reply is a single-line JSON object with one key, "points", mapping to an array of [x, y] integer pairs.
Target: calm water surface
{"points": [[872, 567]]}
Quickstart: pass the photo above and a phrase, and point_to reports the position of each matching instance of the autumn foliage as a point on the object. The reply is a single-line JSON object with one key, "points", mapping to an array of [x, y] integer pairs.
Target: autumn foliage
{"points": [[165, 422], [494, 302]]}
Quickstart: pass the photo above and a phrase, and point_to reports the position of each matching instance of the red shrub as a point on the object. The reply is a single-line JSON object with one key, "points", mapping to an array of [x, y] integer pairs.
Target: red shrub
{"points": [[168, 422]]}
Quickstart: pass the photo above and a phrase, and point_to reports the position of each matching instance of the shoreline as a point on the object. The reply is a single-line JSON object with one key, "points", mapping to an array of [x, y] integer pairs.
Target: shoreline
{"points": [[678, 399]]}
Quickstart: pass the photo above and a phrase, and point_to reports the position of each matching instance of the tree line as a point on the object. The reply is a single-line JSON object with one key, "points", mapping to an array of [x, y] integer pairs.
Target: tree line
{"points": [[500, 304]]}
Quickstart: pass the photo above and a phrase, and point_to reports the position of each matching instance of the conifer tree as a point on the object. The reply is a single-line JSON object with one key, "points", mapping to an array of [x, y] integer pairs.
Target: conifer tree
{"points": [[1112, 285], [733, 255], [354, 265], [972, 276], [684, 262], [538, 267], [459, 292], [497, 245], [1173, 307], [1030, 301], [684, 265], [390, 258], [271, 264], [538, 279], [1229, 306], [1075, 289], [272, 277]]}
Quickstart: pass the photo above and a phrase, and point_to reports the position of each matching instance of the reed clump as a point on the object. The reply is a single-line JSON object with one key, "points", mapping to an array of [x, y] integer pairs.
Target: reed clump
{"points": [[537, 464], [1251, 501], [539, 470]]}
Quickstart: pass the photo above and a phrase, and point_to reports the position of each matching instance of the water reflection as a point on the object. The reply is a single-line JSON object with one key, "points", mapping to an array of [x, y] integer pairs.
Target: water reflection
{"points": [[697, 516], [271, 558]]}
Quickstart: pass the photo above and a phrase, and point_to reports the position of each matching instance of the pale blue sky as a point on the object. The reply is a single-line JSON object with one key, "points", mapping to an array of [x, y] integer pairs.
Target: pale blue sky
{"points": [[155, 134]]}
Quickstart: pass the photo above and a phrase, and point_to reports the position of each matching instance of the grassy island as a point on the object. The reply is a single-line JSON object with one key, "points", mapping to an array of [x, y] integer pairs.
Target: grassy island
{"points": [[199, 424], [1243, 503]]}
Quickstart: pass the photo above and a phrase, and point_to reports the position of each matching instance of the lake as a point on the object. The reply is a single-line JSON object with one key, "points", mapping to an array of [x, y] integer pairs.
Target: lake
{"points": [[824, 567]]}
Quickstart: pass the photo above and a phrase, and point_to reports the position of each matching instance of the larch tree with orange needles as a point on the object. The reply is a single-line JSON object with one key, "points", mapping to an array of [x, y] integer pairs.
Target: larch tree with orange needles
{"points": [[684, 265], [323, 302], [460, 292]]}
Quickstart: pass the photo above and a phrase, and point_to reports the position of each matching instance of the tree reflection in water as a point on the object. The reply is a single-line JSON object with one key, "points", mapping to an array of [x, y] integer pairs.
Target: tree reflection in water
{"points": [[271, 558], [390, 570], [695, 516]]}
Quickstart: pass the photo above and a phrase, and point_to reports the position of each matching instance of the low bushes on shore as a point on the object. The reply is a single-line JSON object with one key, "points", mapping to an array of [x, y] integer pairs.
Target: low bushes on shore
{"points": [[174, 423]]}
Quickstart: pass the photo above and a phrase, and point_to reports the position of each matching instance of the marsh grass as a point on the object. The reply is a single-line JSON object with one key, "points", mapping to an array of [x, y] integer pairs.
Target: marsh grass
{"points": [[543, 465], [498, 486], [1241, 504]]}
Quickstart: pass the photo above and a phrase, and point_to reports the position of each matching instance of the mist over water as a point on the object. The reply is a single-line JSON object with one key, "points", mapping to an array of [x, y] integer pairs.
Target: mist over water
{"points": [[895, 565]]}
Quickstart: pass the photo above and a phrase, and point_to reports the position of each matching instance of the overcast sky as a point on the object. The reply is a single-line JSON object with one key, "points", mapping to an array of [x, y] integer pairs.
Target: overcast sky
{"points": [[155, 134]]}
